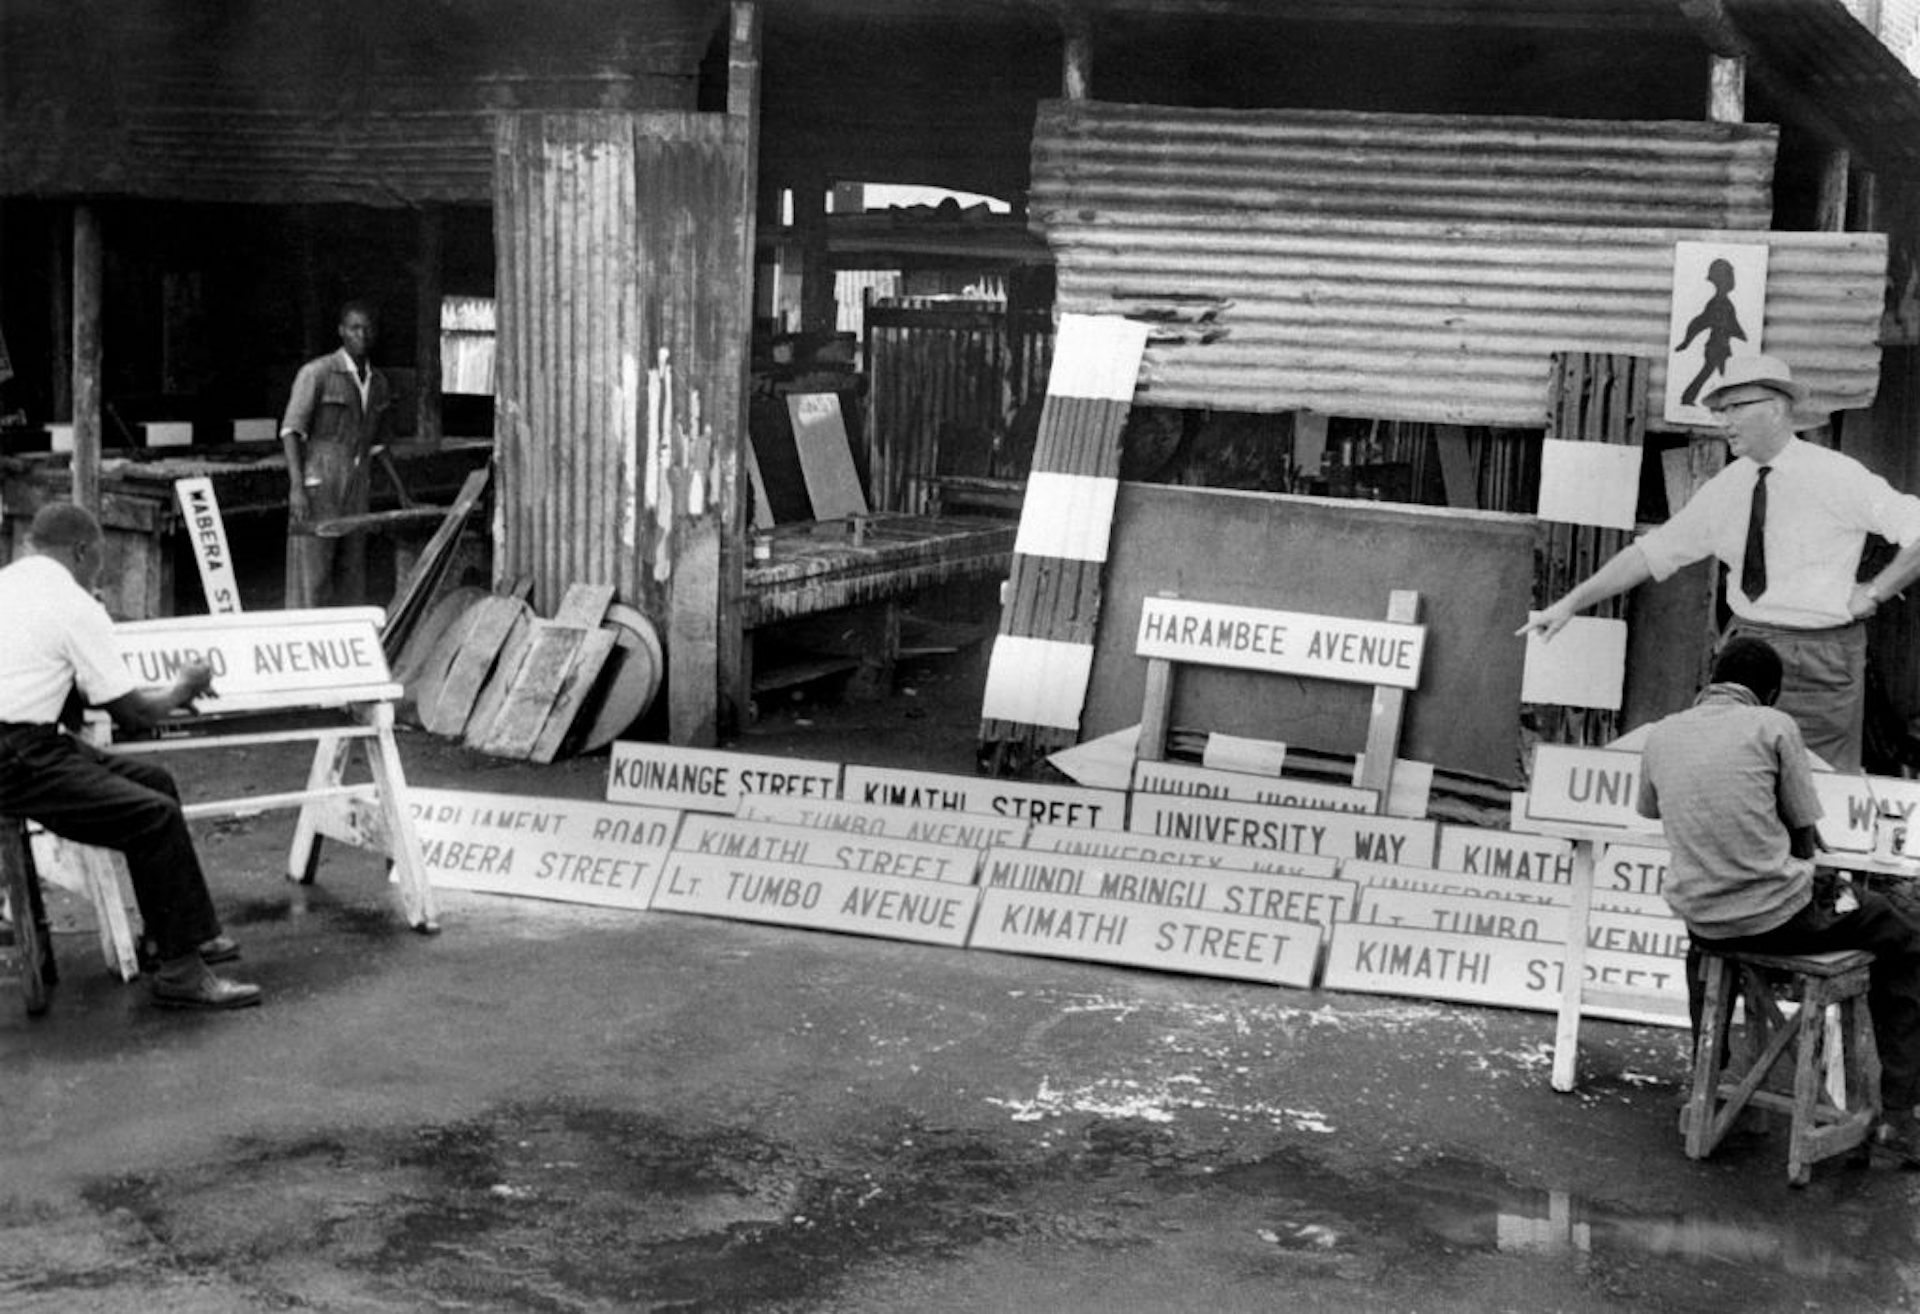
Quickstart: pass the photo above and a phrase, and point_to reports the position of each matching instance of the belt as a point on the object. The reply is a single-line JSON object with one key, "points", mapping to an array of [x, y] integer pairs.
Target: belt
{"points": [[1792, 631]]}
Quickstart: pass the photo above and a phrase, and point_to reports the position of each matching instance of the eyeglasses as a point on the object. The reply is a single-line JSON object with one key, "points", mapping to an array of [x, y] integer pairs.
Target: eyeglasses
{"points": [[1730, 407]]}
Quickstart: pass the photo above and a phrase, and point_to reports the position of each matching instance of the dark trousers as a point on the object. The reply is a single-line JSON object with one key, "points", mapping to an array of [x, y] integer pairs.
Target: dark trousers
{"points": [[1893, 993], [92, 797]]}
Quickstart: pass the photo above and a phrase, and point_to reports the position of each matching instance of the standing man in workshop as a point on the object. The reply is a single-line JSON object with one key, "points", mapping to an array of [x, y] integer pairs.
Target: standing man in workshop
{"points": [[337, 413], [58, 641], [1730, 782], [1790, 520]]}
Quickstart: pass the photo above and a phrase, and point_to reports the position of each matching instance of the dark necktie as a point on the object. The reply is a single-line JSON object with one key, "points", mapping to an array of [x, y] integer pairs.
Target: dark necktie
{"points": [[1753, 567]]}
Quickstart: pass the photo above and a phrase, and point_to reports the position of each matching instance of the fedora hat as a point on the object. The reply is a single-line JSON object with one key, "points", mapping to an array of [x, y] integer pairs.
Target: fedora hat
{"points": [[1757, 371]]}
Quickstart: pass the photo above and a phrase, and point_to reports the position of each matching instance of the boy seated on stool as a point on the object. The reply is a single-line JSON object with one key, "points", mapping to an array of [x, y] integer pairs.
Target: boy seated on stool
{"points": [[1730, 782]]}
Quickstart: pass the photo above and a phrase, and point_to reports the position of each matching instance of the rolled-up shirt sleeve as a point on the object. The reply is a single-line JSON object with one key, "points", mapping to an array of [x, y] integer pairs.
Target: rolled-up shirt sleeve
{"points": [[302, 400], [1691, 534], [1893, 515], [94, 654]]}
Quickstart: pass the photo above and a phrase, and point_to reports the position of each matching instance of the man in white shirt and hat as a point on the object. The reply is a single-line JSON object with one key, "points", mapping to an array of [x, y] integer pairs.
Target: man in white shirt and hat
{"points": [[1790, 520]]}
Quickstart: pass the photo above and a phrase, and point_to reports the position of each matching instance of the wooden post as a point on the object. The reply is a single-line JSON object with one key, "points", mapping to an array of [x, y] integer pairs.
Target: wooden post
{"points": [[1076, 61], [743, 103], [429, 290], [60, 312], [89, 277], [1830, 213], [816, 261], [1727, 90], [1389, 709]]}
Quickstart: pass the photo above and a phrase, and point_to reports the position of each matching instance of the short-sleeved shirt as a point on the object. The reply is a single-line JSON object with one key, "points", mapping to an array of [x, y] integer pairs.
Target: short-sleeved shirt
{"points": [[1821, 505], [57, 637], [1728, 780]]}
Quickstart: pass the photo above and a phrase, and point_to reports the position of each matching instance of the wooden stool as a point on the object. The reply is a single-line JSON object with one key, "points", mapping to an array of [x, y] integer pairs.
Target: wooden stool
{"points": [[1721, 1091], [29, 955]]}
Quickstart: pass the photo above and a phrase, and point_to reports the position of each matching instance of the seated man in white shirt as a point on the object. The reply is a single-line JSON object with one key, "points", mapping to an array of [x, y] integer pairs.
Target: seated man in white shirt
{"points": [[58, 639]]}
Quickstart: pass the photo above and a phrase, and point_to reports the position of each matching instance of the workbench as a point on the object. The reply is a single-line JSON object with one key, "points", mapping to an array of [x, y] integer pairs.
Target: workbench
{"points": [[836, 601], [145, 527]]}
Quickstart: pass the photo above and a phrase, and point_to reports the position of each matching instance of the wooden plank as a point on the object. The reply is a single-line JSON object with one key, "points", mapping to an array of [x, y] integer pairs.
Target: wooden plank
{"points": [[693, 652], [536, 687], [581, 676], [507, 673], [414, 592], [494, 620], [826, 459], [1156, 711], [1389, 708], [424, 674], [584, 605], [1456, 466], [413, 662]]}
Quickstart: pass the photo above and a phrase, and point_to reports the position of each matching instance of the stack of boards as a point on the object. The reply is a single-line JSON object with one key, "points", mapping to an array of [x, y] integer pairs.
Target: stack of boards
{"points": [[483, 668]]}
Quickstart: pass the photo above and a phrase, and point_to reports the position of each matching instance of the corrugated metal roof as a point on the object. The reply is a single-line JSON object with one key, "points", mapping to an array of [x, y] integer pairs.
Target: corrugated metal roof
{"points": [[1442, 323], [1817, 50], [1088, 155], [356, 101]]}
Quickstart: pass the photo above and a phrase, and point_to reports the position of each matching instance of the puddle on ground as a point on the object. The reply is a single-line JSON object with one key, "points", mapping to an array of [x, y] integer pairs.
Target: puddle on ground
{"points": [[561, 1205], [1844, 1239]]}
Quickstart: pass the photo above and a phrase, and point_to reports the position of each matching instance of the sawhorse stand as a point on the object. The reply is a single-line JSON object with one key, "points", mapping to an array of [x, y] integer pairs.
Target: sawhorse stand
{"points": [[1385, 654]]}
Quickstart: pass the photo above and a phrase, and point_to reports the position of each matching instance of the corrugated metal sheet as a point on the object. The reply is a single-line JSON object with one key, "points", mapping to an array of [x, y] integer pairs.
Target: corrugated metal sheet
{"points": [[568, 370], [1444, 324], [1336, 298], [619, 244], [945, 379], [1093, 156]]}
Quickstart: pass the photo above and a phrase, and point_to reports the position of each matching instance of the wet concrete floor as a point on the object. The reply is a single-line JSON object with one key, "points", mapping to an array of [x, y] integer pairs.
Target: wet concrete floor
{"points": [[553, 1108]]}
